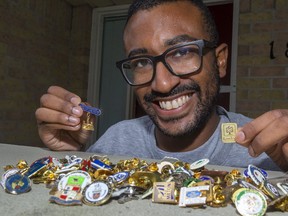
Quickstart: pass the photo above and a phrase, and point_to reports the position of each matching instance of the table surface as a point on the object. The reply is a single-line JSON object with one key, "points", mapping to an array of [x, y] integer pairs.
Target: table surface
{"points": [[36, 201]]}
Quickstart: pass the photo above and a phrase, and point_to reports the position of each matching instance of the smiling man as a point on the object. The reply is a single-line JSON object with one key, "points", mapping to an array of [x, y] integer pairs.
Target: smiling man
{"points": [[175, 63]]}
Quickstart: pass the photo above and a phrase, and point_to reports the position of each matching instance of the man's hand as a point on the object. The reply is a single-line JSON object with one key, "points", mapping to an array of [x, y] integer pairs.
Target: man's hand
{"points": [[59, 120], [267, 133]]}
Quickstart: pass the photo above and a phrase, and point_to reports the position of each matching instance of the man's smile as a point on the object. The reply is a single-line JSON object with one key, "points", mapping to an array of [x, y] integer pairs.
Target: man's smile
{"points": [[175, 103]]}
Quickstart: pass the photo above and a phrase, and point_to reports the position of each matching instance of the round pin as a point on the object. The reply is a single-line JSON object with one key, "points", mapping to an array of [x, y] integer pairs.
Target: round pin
{"points": [[250, 203], [256, 174], [270, 190], [235, 194], [96, 193], [7, 174], [245, 173], [17, 184], [199, 163]]}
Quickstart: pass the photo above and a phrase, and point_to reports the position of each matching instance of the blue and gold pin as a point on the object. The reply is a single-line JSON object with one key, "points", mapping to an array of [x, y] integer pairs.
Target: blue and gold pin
{"points": [[88, 124]]}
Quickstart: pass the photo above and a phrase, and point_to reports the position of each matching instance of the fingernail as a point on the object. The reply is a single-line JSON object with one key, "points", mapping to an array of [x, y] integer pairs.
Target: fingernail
{"points": [[72, 119], [240, 136], [251, 151], [75, 100], [76, 110]]}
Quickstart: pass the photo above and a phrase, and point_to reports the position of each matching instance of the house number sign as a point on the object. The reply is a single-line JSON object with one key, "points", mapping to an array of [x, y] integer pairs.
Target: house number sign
{"points": [[272, 56]]}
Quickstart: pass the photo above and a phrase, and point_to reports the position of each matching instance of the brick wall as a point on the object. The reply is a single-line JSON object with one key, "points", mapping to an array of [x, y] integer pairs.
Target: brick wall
{"points": [[262, 82], [42, 43]]}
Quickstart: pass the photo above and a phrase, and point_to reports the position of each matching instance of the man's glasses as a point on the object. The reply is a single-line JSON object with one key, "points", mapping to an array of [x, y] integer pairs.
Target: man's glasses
{"points": [[181, 60]]}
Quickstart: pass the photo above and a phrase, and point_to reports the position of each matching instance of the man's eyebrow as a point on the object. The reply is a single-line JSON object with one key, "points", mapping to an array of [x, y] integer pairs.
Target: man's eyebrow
{"points": [[169, 42], [137, 52], [179, 39]]}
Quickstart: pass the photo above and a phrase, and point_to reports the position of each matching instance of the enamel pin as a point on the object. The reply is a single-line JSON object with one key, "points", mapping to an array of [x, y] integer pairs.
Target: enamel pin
{"points": [[17, 184], [164, 192], [88, 124], [228, 131], [97, 193]]}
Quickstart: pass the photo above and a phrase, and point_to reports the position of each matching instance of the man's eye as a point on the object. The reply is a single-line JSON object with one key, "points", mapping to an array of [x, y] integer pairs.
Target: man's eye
{"points": [[140, 63]]}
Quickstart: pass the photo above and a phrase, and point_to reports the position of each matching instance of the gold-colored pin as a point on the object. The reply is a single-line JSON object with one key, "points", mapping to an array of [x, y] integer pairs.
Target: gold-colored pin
{"points": [[228, 131], [88, 125], [164, 192]]}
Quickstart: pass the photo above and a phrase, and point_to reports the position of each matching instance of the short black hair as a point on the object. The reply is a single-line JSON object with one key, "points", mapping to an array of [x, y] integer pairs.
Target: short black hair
{"points": [[209, 22]]}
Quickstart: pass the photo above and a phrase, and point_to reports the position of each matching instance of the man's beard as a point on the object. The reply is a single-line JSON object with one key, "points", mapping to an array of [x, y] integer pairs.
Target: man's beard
{"points": [[204, 108]]}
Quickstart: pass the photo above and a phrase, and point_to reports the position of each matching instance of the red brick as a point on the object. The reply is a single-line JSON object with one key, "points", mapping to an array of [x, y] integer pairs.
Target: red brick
{"points": [[242, 71], [38, 42], [245, 6], [260, 5], [280, 83], [267, 71], [249, 105]]}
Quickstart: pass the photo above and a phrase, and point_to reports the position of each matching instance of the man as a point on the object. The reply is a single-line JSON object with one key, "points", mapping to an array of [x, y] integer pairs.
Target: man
{"points": [[174, 63]]}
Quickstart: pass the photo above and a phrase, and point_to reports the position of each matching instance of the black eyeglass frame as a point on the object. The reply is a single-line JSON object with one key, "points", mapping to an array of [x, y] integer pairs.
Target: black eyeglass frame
{"points": [[161, 58]]}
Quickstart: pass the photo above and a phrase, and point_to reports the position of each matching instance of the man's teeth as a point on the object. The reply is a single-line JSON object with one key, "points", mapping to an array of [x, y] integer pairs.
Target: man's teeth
{"points": [[174, 104]]}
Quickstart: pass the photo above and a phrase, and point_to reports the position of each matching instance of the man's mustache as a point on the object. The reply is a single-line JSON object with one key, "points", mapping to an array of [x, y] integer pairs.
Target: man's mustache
{"points": [[150, 97]]}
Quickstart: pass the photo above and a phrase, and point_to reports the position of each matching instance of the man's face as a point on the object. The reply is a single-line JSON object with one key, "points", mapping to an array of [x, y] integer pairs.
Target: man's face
{"points": [[177, 106]]}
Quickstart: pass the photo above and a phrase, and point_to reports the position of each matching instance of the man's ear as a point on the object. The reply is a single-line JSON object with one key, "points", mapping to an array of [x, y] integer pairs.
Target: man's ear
{"points": [[222, 58]]}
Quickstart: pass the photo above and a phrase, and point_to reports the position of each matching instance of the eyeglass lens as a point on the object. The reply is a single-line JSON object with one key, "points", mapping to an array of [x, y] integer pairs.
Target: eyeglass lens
{"points": [[179, 61]]}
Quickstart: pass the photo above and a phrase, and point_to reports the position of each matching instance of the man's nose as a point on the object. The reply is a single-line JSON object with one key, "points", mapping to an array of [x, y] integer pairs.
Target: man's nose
{"points": [[164, 81]]}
